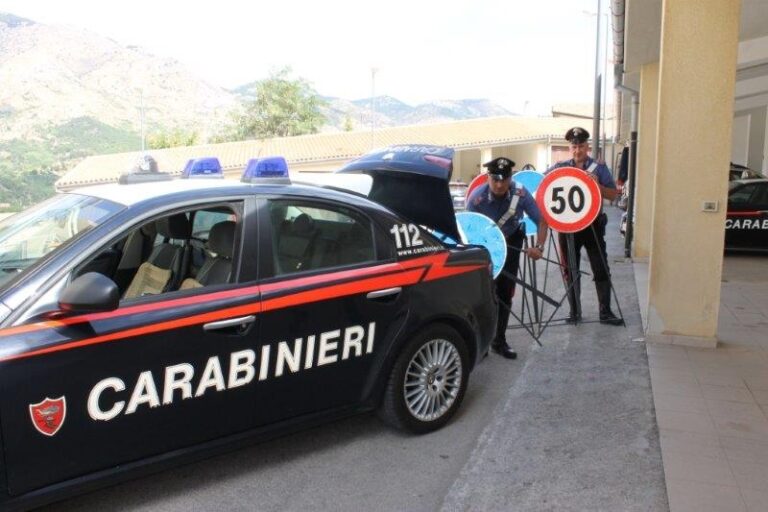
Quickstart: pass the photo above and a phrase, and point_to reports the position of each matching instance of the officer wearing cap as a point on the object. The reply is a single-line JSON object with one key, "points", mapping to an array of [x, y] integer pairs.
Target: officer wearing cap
{"points": [[504, 202], [592, 238]]}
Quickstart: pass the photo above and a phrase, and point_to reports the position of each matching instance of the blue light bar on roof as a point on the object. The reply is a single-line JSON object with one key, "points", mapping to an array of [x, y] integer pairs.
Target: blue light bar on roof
{"points": [[207, 167], [271, 169]]}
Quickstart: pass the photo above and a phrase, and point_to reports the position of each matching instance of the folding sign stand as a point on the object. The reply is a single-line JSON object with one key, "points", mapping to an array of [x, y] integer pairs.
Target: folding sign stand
{"points": [[534, 301]]}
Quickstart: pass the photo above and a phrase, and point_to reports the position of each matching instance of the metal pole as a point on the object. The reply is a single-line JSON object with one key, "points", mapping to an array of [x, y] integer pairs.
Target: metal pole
{"points": [[632, 173], [575, 276], [596, 114], [605, 93]]}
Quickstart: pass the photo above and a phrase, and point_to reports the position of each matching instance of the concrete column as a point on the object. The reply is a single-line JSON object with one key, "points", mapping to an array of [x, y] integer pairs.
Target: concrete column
{"points": [[699, 41], [645, 176], [466, 164], [486, 155], [542, 157]]}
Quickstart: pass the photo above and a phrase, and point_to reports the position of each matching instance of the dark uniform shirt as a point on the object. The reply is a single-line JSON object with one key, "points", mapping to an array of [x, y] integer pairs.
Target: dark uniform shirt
{"points": [[602, 172], [483, 201]]}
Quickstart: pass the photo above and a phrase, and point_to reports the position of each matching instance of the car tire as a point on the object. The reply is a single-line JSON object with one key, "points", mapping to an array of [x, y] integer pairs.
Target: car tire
{"points": [[427, 382]]}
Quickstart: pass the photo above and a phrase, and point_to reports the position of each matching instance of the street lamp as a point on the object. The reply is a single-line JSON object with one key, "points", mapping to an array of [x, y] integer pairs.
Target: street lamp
{"points": [[599, 77]]}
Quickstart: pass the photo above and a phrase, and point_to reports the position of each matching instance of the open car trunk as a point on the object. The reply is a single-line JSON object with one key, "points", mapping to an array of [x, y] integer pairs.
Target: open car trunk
{"points": [[412, 180]]}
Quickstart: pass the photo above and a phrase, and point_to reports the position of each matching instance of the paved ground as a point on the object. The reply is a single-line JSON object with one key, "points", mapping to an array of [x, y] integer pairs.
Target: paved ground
{"points": [[568, 426], [577, 431], [712, 404]]}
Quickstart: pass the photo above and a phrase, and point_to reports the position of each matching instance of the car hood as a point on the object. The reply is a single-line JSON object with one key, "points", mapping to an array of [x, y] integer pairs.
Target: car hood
{"points": [[411, 180]]}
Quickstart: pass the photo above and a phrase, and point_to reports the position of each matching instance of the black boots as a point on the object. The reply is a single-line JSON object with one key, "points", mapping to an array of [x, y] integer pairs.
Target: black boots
{"points": [[573, 318], [604, 298], [499, 345]]}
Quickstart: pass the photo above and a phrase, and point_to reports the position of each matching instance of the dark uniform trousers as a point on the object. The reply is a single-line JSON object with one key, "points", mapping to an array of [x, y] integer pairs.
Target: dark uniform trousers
{"points": [[594, 242], [505, 283]]}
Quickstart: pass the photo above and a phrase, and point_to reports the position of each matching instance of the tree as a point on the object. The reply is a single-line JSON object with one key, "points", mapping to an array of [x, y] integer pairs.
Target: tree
{"points": [[175, 138], [349, 125], [282, 107]]}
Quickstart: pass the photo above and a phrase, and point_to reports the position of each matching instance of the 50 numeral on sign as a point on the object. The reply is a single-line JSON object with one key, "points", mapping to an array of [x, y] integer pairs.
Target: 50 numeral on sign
{"points": [[575, 199]]}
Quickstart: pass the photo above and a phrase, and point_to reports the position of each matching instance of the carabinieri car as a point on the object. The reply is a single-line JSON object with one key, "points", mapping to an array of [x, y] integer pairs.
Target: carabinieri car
{"points": [[746, 223], [142, 325]]}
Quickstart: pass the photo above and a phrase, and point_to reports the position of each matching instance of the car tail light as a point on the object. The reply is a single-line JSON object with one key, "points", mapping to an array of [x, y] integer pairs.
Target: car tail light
{"points": [[443, 162]]}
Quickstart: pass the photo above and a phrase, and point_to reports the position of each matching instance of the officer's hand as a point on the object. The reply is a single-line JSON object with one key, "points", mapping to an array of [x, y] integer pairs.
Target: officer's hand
{"points": [[534, 253]]}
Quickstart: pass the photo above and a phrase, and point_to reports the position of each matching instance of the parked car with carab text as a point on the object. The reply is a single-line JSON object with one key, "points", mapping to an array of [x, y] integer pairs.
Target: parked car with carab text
{"points": [[146, 324]]}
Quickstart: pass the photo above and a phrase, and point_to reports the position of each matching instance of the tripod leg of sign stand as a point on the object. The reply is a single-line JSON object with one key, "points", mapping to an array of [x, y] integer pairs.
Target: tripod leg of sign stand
{"points": [[524, 305], [610, 280], [520, 320], [538, 302], [567, 284], [546, 273], [575, 278], [523, 292]]}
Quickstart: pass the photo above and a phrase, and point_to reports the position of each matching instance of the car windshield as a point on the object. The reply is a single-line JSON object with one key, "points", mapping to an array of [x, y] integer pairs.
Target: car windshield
{"points": [[458, 189], [27, 237]]}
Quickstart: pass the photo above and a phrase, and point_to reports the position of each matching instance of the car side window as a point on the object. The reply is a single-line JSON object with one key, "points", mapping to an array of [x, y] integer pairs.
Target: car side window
{"points": [[309, 236], [761, 196], [742, 196], [179, 251]]}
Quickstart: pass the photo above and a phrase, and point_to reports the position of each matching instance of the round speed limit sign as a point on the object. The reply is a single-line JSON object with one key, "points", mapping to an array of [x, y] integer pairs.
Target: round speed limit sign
{"points": [[568, 199]]}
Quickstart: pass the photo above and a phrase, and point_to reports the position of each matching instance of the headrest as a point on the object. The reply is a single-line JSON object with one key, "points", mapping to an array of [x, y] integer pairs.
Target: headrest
{"points": [[149, 230], [176, 227], [302, 225], [221, 238]]}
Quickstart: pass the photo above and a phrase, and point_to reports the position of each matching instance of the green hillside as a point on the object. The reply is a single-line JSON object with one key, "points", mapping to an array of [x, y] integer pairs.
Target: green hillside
{"points": [[29, 168]]}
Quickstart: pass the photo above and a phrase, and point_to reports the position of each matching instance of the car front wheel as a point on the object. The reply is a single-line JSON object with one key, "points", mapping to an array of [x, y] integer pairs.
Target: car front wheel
{"points": [[427, 382]]}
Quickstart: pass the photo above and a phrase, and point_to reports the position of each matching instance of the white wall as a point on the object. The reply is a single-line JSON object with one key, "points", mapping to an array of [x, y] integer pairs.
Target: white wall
{"points": [[749, 138]]}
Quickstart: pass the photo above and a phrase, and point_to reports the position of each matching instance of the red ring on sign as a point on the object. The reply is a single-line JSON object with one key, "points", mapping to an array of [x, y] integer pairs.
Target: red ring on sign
{"points": [[475, 183], [592, 187]]}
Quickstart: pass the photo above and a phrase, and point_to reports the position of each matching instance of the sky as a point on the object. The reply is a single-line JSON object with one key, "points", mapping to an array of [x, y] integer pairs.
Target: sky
{"points": [[524, 56]]}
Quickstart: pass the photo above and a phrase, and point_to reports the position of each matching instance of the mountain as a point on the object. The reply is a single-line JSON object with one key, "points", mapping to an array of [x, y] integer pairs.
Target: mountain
{"points": [[68, 93], [390, 111], [53, 74]]}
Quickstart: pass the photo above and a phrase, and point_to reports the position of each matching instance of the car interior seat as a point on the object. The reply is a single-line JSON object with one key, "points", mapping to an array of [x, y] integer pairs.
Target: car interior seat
{"points": [[294, 246], [217, 269], [165, 265]]}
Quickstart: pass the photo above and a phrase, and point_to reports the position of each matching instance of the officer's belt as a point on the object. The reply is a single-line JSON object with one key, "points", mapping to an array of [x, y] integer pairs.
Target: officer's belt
{"points": [[512, 206]]}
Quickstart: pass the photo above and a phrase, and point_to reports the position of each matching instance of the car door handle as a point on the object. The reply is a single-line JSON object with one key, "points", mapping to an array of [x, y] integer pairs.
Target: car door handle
{"points": [[231, 322], [387, 292]]}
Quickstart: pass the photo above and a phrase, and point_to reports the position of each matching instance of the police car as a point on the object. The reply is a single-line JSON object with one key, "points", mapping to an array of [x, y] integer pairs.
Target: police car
{"points": [[746, 223], [149, 323], [458, 194]]}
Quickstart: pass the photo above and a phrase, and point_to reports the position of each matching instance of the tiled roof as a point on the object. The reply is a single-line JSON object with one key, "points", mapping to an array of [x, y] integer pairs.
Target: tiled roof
{"points": [[325, 147]]}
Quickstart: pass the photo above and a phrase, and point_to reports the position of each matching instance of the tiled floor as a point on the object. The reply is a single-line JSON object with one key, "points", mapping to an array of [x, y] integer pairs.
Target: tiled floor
{"points": [[712, 404]]}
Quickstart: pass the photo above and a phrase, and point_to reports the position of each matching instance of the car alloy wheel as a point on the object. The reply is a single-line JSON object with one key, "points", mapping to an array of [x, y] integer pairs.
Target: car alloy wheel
{"points": [[427, 381], [432, 380]]}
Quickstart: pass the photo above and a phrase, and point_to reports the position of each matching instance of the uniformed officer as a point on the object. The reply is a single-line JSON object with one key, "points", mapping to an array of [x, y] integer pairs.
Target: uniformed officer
{"points": [[504, 202], [593, 236]]}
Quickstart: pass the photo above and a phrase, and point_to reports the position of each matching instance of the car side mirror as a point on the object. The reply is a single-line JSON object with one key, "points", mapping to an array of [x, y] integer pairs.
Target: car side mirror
{"points": [[90, 293]]}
